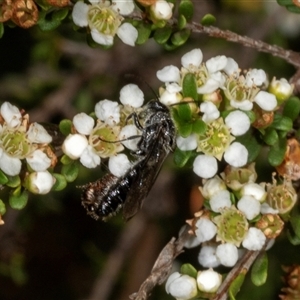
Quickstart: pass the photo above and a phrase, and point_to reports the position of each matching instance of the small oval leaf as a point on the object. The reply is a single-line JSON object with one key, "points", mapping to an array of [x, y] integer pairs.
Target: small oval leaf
{"points": [[277, 152], [181, 157], [235, 286], [65, 126], [2, 208], [259, 271], [208, 19], [292, 108], [180, 37], [18, 200], [189, 86], [186, 8], [161, 35], [70, 171], [60, 182], [188, 269]]}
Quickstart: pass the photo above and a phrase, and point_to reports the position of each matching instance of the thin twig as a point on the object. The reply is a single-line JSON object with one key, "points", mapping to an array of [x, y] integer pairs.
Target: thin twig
{"points": [[162, 266]]}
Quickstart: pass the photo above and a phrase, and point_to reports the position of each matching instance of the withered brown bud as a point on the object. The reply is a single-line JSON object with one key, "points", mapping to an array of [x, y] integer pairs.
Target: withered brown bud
{"points": [[263, 118], [25, 13], [6, 10], [296, 2], [58, 3], [271, 225]]}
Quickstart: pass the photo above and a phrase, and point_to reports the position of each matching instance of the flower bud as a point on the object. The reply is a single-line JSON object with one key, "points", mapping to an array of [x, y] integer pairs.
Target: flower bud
{"points": [[281, 89], [40, 182], [25, 13], [208, 281]]}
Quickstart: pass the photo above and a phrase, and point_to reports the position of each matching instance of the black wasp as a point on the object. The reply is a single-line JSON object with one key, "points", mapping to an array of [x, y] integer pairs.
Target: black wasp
{"points": [[106, 196]]}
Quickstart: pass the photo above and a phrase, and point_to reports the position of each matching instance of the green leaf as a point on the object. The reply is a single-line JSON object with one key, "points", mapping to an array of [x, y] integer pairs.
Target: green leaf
{"points": [[188, 269], [60, 182], [235, 286], [46, 21], [184, 112], [18, 199], [208, 19], [293, 8], [251, 143], [1, 30], [65, 127], [3, 178], [282, 123], [295, 222], [181, 22], [259, 271], [292, 108], [189, 86], [144, 31], [181, 157], [14, 181], [2, 208], [294, 239], [60, 14], [285, 2], [161, 35], [70, 171], [270, 137], [199, 127], [180, 37], [186, 8], [277, 152], [185, 129]]}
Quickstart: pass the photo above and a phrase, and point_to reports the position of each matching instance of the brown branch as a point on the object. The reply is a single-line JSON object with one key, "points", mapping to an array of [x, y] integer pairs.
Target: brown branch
{"points": [[162, 266], [291, 57]]}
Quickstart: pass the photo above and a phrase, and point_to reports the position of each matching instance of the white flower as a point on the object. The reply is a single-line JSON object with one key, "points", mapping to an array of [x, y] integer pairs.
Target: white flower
{"points": [[89, 158], [249, 206], [192, 58], [266, 101], [162, 10], [209, 281], [212, 186], [9, 165], [127, 132], [74, 145], [80, 14], [205, 166], [207, 256], [108, 111], [168, 74], [11, 114], [40, 182], [238, 122], [255, 77], [281, 89], [205, 229], [227, 254], [38, 160], [187, 144], [132, 95], [255, 190], [83, 123], [36, 133], [213, 82], [220, 200], [216, 64], [119, 164], [210, 111], [236, 155], [181, 287], [128, 34], [254, 240]]}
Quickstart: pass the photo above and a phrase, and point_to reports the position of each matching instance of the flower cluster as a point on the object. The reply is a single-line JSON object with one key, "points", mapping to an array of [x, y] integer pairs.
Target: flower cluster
{"points": [[106, 136], [230, 102], [240, 214], [25, 145]]}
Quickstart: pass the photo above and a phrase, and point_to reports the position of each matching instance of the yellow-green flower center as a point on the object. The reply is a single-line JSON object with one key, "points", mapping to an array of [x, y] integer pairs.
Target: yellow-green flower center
{"points": [[104, 19]]}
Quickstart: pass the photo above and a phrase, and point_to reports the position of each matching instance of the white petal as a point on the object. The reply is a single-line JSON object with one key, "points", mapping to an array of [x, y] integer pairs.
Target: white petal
{"points": [[193, 57], [108, 111], [124, 7], [83, 123], [208, 87], [205, 229], [162, 9], [89, 158], [10, 165], [236, 155], [249, 206], [255, 77], [119, 164], [187, 144], [74, 145], [217, 63], [10, 114], [205, 166], [238, 122], [231, 67], [266, 101], [254, 240], [38, 161], [38, 134], [128, 34], [41, 182], [102, 39], [80, 14], [129, 131], [220, 200], [244, 105], [210, 111], [132, 95], [168, 74], [207, 257], [227, 254]]}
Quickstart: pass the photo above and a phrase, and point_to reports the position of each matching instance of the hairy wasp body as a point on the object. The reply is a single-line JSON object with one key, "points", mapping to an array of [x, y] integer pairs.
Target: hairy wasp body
{"points": [[106, 196]]}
